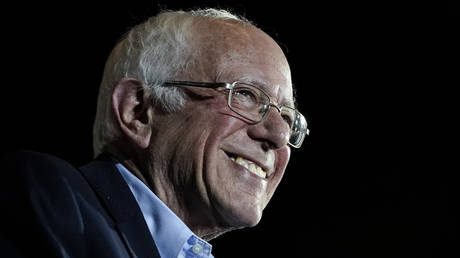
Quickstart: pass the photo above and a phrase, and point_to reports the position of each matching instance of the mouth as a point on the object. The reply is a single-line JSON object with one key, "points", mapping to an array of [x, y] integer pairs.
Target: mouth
{"points": [[250, 165]]}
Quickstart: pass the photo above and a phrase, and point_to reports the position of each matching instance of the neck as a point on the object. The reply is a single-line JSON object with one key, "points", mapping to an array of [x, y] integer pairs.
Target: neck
{"points": [[197, 215]]}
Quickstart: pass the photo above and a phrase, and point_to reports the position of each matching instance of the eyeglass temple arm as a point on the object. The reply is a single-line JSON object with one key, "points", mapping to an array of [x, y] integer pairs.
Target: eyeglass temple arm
{"points": [[199, 84]]}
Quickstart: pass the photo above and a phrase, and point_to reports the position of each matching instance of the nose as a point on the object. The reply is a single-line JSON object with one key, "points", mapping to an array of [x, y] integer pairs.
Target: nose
{"points": [[272, 130]]}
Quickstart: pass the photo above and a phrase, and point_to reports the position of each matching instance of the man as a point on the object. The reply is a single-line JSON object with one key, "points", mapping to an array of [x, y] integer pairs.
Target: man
{"points": [[192, 135]]}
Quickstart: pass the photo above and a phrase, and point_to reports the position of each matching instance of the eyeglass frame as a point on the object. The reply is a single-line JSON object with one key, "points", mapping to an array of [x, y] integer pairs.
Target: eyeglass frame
{"points": [[230, 86]]}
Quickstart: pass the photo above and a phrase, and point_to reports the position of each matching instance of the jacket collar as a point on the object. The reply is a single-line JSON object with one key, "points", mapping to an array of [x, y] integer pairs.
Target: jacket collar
{"points": [[120, 203]]}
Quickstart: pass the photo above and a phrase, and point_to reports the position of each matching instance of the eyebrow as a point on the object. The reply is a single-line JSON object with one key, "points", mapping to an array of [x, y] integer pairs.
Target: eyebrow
{"points": [[265, 86]]}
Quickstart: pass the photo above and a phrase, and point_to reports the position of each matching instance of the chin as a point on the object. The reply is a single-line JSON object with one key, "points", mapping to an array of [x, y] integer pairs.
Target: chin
{"points": [[252, 219], [241, 216]]}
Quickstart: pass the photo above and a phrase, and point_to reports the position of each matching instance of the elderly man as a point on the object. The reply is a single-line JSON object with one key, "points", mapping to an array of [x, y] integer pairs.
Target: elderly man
{"points": [[194, 124]]}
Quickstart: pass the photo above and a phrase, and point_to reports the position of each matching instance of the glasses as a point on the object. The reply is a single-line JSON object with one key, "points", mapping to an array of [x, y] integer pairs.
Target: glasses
{"points": [[253, 104]]}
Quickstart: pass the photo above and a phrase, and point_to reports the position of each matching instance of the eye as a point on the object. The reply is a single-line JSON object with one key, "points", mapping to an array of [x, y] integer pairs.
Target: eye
{"points": [[288, 120], [288, 116], [246, 94], [246, 97]]}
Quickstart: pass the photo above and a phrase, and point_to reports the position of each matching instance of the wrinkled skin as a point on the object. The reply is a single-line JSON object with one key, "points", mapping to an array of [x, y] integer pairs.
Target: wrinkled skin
{"points": [[190, 169]]}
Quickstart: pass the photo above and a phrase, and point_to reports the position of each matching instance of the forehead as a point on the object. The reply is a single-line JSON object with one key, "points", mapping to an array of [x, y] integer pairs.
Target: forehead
{"points": [[234, 51]]}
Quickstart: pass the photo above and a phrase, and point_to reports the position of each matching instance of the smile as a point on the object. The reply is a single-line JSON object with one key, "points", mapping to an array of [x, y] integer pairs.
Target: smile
{"points": [[250, 166]]}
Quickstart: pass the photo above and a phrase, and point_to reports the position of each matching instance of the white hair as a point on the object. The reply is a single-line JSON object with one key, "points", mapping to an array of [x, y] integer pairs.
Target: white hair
{"points": [[151, 52]]}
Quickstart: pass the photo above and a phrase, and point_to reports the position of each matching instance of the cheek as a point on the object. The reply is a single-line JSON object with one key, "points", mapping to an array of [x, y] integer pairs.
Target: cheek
{"points": [[180, 144], [283, 155], [215, 161], [236, 196], [201, 145]]}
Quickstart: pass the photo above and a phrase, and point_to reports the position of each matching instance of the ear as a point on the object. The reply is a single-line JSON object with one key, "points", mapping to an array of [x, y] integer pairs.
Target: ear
{"points": [[133, 111]]}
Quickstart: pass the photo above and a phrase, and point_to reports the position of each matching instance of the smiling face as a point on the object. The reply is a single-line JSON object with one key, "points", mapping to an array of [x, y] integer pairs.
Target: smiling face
{"points": [[223, 168]]}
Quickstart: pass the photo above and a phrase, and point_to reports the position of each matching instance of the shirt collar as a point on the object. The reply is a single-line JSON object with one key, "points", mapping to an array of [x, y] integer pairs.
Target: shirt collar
{"points": [[168, 231]]}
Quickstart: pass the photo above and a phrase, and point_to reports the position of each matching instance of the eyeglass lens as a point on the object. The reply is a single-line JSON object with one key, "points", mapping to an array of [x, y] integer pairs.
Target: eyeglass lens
{"points": [[253, 104]]}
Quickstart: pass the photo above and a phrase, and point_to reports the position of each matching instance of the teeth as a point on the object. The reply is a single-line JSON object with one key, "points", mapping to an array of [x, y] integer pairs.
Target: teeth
{"points": [[242, 162], [249, 165]]}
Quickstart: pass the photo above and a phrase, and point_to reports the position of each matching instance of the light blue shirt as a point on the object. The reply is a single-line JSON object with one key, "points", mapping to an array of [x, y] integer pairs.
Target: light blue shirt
{"points": [[172, 237]]}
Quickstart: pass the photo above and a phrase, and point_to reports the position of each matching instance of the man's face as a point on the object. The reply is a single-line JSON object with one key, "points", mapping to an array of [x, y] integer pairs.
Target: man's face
{"points": [[206, 147]]}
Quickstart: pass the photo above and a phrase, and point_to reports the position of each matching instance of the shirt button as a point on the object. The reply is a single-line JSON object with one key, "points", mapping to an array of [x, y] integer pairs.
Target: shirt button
{"points": [[191, 241], [197, 248]]}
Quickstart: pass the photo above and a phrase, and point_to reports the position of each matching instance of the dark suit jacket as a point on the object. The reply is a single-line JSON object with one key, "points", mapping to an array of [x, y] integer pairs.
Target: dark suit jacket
{"points": [[52, 209]]}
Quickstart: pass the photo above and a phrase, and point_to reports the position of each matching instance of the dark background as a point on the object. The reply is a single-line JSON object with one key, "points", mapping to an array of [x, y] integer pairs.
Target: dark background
{"points": [[370, 181]]}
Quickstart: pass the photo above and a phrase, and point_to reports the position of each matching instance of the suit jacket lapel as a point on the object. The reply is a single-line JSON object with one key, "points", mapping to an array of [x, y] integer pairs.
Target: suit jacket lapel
{"points": [[116, 196]]}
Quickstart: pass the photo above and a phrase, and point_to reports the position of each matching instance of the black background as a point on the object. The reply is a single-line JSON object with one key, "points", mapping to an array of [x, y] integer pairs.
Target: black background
{"points": [[367, 183]]}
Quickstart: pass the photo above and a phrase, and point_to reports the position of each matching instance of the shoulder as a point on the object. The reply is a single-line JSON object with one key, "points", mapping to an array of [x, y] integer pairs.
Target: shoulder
{"points": [[51, 208], [29, 173], [23, 165], [42, 194], [30, 160]]}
